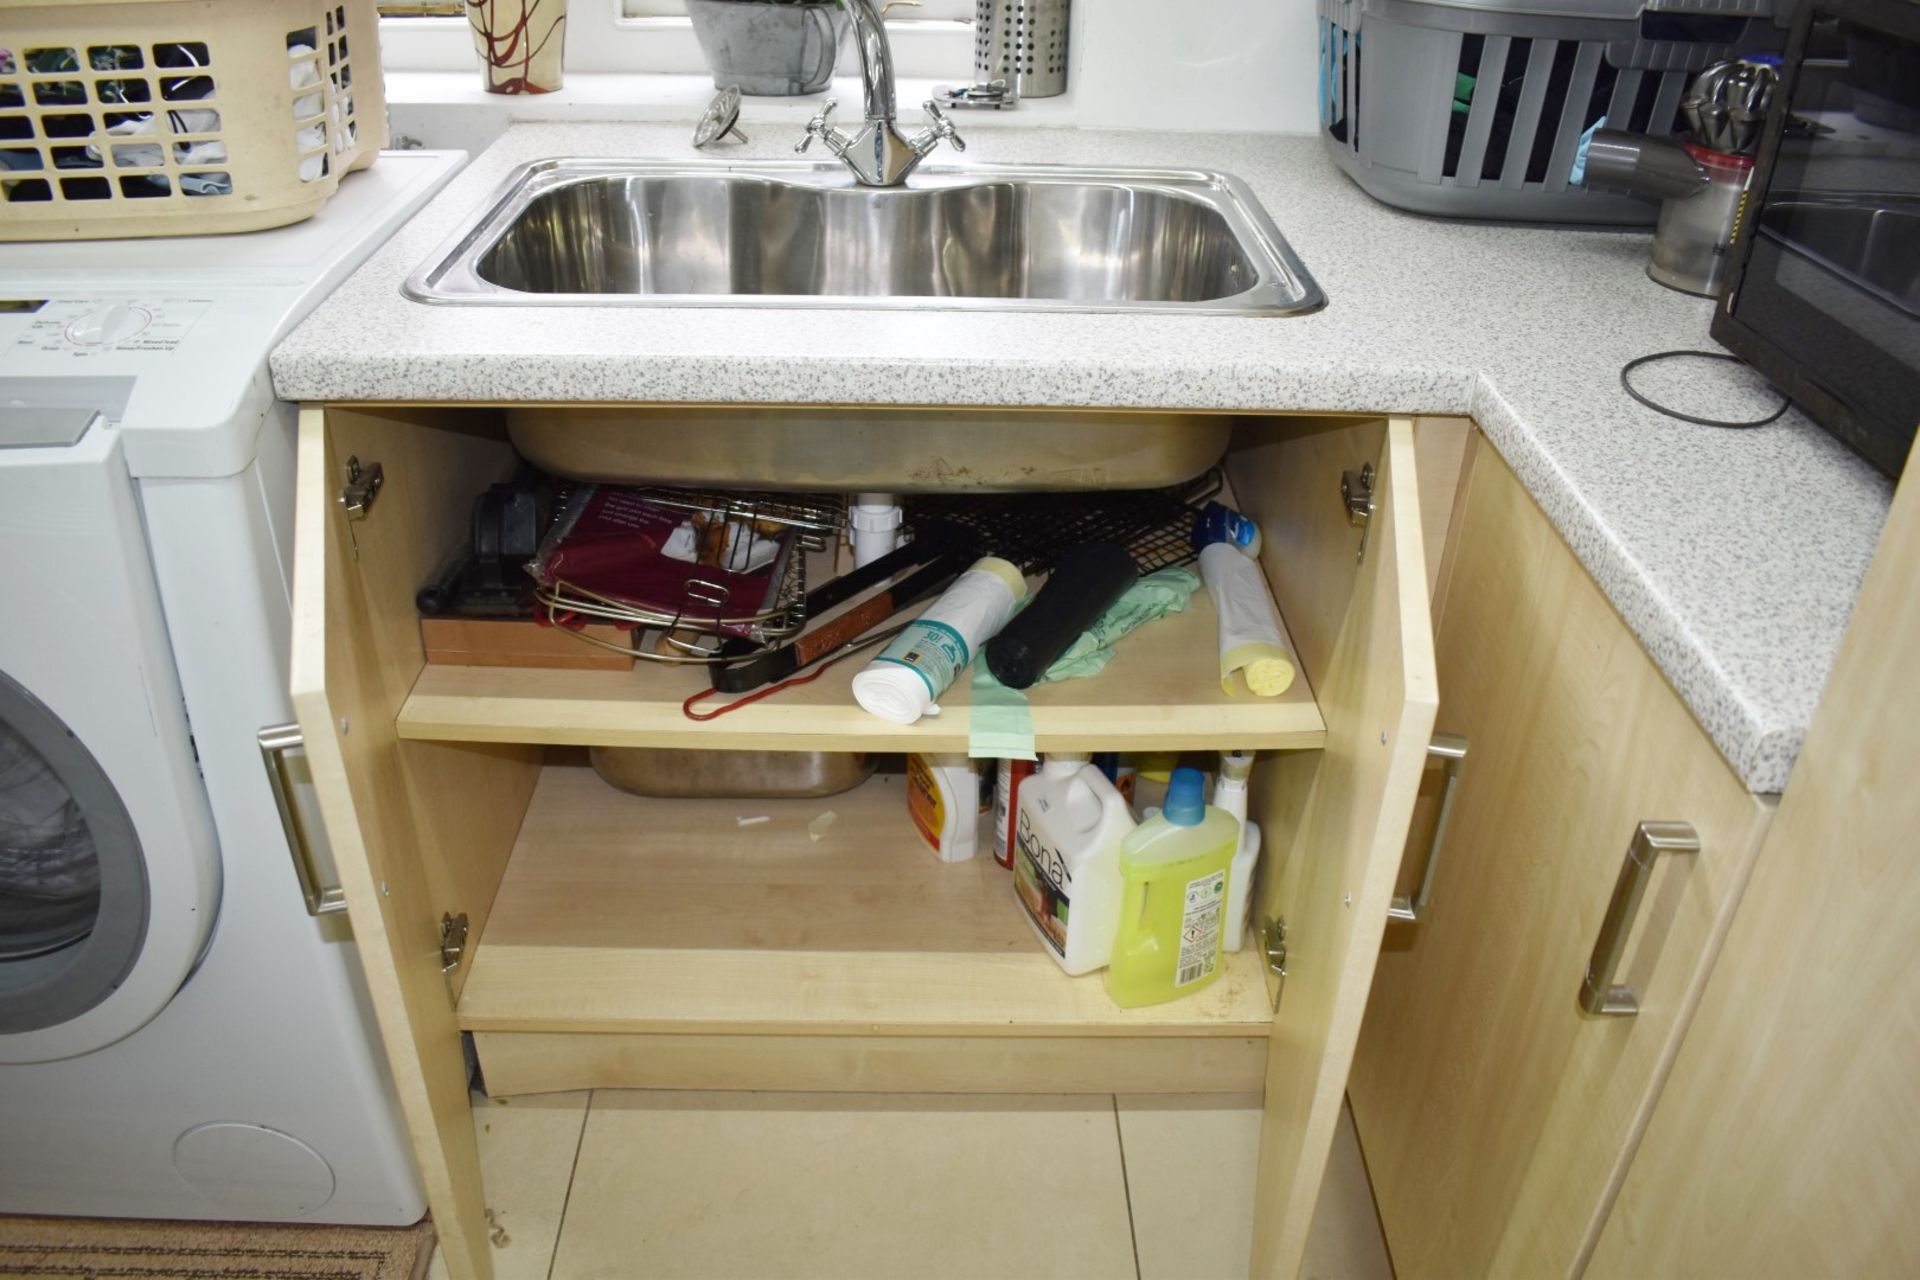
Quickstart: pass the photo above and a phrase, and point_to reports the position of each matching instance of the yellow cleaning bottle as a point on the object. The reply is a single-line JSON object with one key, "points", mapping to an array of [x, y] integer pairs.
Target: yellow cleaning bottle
{"points": [[1173, 898]]}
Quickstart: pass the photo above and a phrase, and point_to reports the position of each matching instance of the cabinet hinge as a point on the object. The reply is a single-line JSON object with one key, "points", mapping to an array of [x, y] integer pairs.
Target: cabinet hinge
{"points": [[453, 941], [1356, 494], [1273, 944], [357, 494], [362, 487]]}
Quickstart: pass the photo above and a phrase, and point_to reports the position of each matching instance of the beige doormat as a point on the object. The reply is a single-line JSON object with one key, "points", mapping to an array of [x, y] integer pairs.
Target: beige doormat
{"points": [[119, 1248]]}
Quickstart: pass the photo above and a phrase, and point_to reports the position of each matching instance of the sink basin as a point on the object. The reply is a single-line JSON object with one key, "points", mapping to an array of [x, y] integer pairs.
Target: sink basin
{"points": [[612, 233], [796, 234]]}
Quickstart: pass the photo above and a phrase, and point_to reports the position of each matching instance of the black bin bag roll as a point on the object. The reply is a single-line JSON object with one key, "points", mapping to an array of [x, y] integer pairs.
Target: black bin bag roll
{"points": [[1087, 581]]}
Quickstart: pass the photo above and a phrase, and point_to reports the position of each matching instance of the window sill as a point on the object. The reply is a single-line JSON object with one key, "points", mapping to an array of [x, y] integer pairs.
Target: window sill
{"points": [[653, 45], [650, 96]]}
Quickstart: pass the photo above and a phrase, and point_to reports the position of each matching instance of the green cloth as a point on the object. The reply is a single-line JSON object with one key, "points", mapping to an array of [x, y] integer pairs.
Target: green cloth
{"points": [[1463, 86], [1154, 596], [1001, 726]]}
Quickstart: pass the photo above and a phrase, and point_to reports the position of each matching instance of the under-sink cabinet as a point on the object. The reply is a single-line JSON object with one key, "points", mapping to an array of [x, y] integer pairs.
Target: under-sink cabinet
{"points": [[589, 938]]}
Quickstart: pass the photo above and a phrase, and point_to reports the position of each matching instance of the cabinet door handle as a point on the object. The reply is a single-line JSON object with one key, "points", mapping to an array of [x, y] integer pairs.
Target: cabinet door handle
{"points": [[1599, 995], [1451, 749], [275, 742]]}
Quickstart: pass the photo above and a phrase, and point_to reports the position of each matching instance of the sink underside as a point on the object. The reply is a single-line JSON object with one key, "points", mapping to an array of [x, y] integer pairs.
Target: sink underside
{"points": [[892, 450], [607, 233]]}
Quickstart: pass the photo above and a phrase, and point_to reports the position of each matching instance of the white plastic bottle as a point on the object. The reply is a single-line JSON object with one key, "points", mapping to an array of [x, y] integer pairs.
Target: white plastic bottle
{"points": [[1066, 865], [943, 799], [903, 682], [1230, 793]]}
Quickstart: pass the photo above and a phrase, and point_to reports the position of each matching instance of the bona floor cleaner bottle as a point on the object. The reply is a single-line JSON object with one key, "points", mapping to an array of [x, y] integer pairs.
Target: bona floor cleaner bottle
{"points": [[1068, 827]]}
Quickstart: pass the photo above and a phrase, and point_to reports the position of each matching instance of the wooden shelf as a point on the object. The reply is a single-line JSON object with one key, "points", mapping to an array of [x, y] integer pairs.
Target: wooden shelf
{"points": [[623, 914], [1160, 692]]}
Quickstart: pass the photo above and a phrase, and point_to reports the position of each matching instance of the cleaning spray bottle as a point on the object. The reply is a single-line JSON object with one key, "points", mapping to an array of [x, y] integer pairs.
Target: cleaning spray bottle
{"points": [[1066, 873], [943, 799], [1173, 898], [1006, 805], [1230, 794]]}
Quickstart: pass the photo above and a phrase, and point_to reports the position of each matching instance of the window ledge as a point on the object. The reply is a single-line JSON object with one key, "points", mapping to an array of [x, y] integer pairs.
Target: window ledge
{"points": [[598, 44], [659, 96]]}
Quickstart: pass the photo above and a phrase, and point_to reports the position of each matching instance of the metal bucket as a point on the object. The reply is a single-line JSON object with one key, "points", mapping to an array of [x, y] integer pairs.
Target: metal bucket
{"points": [[769, 50], [686, 773]]}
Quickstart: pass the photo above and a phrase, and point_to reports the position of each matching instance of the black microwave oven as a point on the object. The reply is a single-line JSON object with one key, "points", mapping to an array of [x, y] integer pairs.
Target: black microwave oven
{"points": [[1824, 292]]}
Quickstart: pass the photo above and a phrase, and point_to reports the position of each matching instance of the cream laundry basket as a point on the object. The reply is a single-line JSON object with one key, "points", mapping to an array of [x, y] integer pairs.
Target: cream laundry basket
{"points": [[182, 117]]}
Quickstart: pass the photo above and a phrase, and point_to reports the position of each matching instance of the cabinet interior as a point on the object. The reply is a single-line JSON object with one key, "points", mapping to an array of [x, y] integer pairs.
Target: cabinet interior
{"points": [[594, 912], [625, 913], [584, 938]]}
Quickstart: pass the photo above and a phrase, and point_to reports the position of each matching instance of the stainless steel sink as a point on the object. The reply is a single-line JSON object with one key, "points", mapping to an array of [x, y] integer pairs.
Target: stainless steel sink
{"points": [[611, 233], [601, 233]]}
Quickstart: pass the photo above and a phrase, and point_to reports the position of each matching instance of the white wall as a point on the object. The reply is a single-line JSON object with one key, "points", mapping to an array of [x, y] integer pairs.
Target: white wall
{"points": [[1207, 64]]}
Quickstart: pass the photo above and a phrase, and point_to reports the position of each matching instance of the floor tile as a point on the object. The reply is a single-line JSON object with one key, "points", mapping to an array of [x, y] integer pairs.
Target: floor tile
{"points": [[690, 1186], [1190, 1161], [527, 1147], [1345, 1243]]}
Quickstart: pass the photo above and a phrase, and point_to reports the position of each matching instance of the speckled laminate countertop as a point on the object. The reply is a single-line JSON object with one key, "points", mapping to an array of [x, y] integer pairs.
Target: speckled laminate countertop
{"points": [[1734, 556]]}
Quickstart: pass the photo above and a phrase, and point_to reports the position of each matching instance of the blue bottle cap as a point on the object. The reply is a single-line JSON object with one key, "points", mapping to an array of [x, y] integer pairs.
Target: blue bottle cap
{"points": [[1218, 522], [1186, 804]]}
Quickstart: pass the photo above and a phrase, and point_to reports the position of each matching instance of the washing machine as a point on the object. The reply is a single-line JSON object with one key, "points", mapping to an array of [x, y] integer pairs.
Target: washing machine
{"points": [[184, 1029]]}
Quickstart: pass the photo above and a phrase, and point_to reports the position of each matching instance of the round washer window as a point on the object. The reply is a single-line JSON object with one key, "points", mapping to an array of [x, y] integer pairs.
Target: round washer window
{"points": [[49, 872], [73, 881]]}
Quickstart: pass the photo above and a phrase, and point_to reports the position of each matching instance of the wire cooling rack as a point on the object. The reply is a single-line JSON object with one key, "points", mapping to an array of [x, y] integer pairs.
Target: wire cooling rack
{"points": [[1034, 530]]}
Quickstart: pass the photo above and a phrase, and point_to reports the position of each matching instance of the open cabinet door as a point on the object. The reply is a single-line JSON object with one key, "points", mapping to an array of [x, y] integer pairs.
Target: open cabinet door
{"points": [[394, 810], [1347, 806]]}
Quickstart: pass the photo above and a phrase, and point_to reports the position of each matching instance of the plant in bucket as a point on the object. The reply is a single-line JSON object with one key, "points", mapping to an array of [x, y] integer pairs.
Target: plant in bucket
{"points": [[519, 43], [770, 48]]}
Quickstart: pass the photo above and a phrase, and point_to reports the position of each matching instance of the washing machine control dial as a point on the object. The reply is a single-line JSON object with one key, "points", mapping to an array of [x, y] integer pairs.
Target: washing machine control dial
{"points": [[108, 325]]}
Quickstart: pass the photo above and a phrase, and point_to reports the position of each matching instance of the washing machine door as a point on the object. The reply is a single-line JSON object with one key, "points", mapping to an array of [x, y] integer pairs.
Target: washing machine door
{"points": [[109, 870], [73, 883]]}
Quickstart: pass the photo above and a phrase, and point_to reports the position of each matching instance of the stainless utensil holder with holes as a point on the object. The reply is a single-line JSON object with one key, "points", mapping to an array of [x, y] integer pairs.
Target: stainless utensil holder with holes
{"points": [[1023, 42], [157, 119]]}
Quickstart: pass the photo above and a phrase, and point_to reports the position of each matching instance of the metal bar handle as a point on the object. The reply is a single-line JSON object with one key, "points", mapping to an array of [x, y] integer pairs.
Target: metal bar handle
{"points": [[1599, 994], [275, 742], [1451, 749]]}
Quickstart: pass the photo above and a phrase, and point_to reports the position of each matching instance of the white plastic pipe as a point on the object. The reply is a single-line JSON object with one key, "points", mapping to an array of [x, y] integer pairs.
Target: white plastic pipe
{"points": [[875, 521]]}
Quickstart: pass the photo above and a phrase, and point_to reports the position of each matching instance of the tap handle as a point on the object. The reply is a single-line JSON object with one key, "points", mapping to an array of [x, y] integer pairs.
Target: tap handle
{"points": [[943, 127], [818, 127]]}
